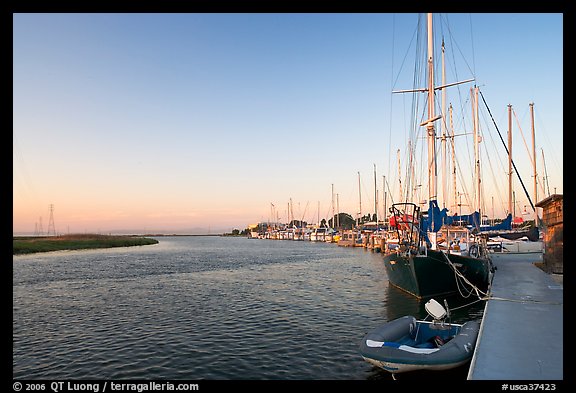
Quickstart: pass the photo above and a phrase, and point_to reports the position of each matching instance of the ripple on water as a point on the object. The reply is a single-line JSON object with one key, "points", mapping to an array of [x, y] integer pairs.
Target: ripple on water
{"points": [[199, 308]]}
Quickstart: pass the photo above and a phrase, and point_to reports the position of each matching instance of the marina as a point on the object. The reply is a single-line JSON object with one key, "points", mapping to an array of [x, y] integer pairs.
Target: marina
{"points": [[234, 298], [439, 274], [524, 301], [430, 251], [202, 308]]}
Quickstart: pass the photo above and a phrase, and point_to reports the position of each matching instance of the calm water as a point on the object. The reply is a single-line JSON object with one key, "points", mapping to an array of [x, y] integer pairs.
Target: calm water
{"points": [[205, 308]]}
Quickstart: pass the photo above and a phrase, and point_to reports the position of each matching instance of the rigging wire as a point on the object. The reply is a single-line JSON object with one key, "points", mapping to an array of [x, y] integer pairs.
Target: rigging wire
{"points": [[507, 152], [545, 177], [490, 162], [528, 152], [22, 176], [550, 145], [451, 62], [523, 137], [394, 80], [472, 45]]}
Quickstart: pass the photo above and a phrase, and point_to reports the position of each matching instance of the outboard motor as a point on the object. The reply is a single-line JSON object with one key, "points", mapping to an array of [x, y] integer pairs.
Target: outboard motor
{"points": [[439, 314], [435, 310]]}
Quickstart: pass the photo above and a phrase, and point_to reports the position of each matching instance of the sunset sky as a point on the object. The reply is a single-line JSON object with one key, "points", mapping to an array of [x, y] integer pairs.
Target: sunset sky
{"points": [[205, 122]]}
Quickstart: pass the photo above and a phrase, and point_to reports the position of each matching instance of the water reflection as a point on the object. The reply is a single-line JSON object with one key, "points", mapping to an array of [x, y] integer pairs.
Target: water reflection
{"points": [[400, 303], [203, 308]]}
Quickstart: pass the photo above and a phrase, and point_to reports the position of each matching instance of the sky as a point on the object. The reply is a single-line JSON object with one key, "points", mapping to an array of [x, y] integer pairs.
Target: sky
{"points": [[208, 122]]}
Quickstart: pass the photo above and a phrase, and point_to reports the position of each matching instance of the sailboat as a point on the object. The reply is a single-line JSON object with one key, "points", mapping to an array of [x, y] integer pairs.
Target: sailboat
{"points": [[523, 242], [416, 263]]}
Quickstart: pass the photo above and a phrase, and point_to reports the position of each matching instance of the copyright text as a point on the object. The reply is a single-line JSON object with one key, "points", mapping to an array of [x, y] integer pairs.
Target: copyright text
{"points": [[101, 387]]}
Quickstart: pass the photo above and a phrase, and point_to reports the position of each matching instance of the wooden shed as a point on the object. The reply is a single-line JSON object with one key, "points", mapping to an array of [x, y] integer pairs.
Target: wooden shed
{"points": [[553, 222]]}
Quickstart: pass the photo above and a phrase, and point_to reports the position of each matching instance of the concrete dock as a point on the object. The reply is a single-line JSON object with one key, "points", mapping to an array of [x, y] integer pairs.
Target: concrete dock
{"points": [[521, 336]]}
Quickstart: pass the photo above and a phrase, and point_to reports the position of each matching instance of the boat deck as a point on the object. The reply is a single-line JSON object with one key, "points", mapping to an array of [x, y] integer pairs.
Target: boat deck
{"points": [[521, 336]]}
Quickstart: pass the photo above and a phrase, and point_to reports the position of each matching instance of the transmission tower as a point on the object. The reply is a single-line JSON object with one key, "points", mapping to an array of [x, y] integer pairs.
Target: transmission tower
{"points": [[39, 229], [51, 228]]}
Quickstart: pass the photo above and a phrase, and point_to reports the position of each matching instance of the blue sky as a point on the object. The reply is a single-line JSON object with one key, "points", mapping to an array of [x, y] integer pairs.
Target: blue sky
{"points": [[189, 122]]}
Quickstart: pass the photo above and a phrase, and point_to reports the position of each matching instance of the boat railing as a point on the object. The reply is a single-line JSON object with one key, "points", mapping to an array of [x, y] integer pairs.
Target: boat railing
{"points": [[405, 222]]}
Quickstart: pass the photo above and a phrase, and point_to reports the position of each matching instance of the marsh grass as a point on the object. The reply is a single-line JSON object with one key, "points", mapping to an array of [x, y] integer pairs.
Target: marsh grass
{"points": [[29, 245]]}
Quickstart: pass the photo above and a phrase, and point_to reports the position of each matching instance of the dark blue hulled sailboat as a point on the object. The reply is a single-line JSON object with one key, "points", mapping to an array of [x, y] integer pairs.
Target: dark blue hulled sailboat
{"points": [[422, 267], [420, 264]]}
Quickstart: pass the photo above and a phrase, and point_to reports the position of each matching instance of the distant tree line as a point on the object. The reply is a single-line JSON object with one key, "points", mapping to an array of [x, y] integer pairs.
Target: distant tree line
{"points": [[237, 232], [344, 221]]}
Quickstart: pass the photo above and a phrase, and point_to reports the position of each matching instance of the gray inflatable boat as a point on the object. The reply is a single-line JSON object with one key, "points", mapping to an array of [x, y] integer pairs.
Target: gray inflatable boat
{"points": [[407, 344]]}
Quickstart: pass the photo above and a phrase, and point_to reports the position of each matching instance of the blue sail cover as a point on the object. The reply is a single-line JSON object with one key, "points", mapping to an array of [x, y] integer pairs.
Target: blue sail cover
{"points": [[436, 218], [505, 225]]}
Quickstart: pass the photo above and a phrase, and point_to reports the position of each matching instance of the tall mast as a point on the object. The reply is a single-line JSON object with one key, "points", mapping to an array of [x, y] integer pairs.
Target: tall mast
{"points": [[411, 191], [338, 210], [333, 217], [510, 159], [492, 221], [429, 123], [443, 133], [359, 199], [399, 173], [455, 195], [534, 164], [476, 150], [432, 174], [384, 197], [375, 197]]}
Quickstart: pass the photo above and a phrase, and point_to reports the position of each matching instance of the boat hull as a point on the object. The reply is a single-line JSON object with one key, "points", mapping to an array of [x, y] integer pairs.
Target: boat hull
{"points": [[397, 367], [517, 246], [432, 274], [393, 348]]}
